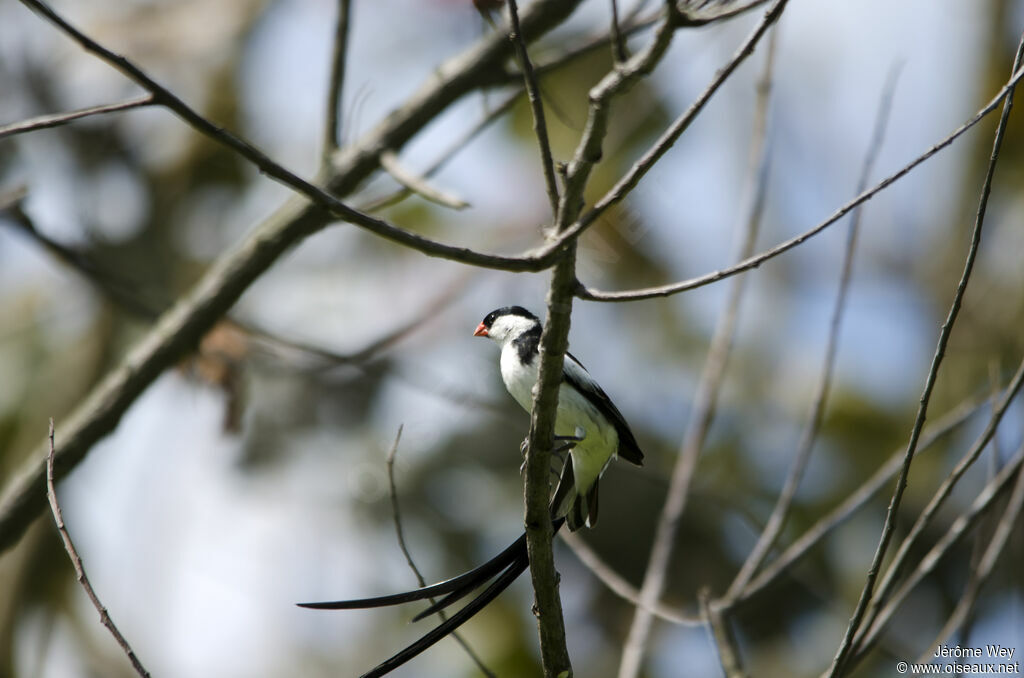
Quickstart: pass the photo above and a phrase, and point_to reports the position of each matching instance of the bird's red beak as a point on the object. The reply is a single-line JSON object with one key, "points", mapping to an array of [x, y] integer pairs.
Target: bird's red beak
{"points": [[480, 331]]}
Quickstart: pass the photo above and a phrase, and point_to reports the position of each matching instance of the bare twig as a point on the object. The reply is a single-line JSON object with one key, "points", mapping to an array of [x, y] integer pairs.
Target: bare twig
{"points": [[725, 645], [961, 526], [554, 342], [941, 494], [540, 127], [965, 625], [799, 548], [589, 150], [459, 144], [619, 586], [618, 40], [76, 562], [12, 198], [758, 259], [729, 11], [981, 573], [777, 519], [396, 516], [124, 294], [417, 184], [180, 329], [668, 138], [846, 645], [335, 84], [320, 197], [705, 399], [58, 119]]}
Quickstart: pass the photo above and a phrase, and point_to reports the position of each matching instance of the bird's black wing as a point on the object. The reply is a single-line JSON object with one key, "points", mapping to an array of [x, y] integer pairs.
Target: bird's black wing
{"points": [[574, 374]]}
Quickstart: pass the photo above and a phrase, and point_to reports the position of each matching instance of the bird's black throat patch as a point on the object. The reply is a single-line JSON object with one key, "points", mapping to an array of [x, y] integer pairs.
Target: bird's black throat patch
{"points": [[528, 344]]}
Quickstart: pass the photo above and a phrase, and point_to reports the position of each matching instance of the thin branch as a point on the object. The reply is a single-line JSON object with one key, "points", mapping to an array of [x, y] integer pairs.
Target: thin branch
{"points": [[554, 343], [124, 293], [540, 126], [396, 516], [688, 18], [705, 399], [846, 645], [981, 573], [76, 561], [418, 184], [179, 330], [459, 144], [725, 645], [318, 196], [801, 546], [335, 84], [619, 586], [619, 54], [756, 260], [11, 199], [668, 138], [59, 119], [798, 549], [935, 503], [960, 527], [589, 150], [965, 626], [598, 42], [630, 25], [777, 519]]}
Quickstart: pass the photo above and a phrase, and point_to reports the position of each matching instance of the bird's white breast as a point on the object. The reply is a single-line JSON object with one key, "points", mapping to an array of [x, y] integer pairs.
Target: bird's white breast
{"points": [[591, 456], [519, 378]]}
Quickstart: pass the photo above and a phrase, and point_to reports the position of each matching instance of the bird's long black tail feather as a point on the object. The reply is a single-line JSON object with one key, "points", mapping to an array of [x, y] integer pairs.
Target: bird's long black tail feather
{"points": [[462, 584], [516, 568], [507, 566]]}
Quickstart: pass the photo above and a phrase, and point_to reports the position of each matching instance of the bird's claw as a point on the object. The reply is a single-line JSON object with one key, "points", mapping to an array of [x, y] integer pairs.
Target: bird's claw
{"points": [[567, 443]]}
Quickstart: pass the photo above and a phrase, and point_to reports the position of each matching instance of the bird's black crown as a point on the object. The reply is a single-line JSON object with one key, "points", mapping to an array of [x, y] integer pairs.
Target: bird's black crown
{"points": [[507, 310]]}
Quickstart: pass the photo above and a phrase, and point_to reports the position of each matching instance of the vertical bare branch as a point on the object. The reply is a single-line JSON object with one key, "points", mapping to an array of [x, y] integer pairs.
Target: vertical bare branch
{"points": [[941, 494], [845, 645], [618, 584], [961, 526], [76, 561], [180, 329], [725, 645], [554, 342], [669, 137], [981, 573], [396, 516], [705, 399], [540, 126], [618, 40], [335, 84], [803, 455], [855, 500]]}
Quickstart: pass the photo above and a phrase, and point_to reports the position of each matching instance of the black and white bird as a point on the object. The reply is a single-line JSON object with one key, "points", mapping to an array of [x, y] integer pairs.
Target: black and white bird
{"points": [[596, 433], [586, 415]]}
